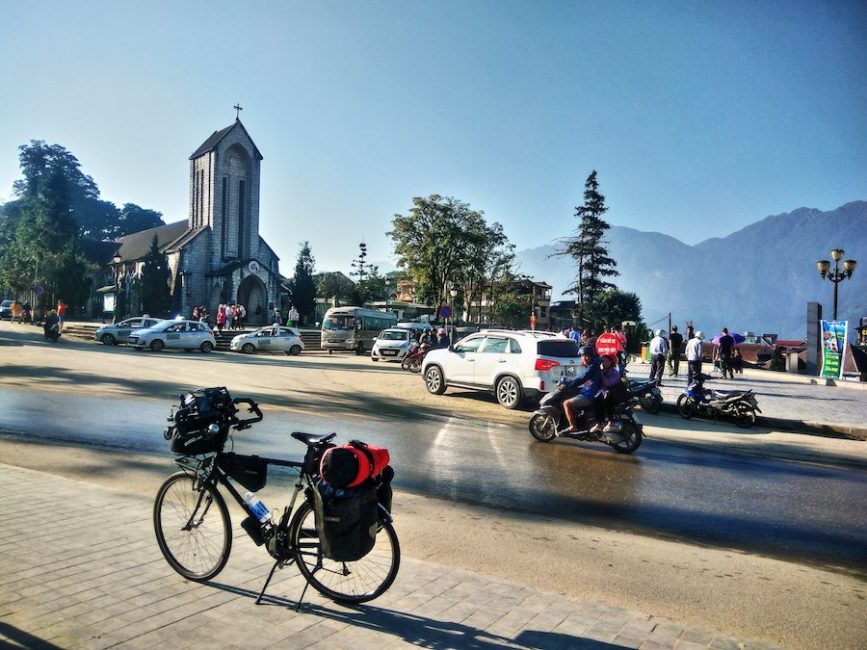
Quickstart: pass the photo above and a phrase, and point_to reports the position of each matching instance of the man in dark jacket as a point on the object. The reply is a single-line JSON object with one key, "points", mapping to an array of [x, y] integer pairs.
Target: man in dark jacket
{"points": [[726, 347], [675, 340]]}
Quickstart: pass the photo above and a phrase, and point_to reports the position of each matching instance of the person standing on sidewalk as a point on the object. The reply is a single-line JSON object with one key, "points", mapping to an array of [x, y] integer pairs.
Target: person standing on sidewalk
{"points": [[726, 346], [675, 341], [61, 313], [658, 353], [693, 357]]}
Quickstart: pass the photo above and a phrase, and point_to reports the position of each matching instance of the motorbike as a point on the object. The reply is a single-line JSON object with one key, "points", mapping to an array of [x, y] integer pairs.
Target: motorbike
{"points": [[51, 331], [550, 418], [413, 359], [648, 394], [739, 405]]}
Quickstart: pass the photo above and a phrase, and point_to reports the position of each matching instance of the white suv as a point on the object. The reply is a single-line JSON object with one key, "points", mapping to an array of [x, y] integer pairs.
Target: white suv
{"points": [[513, 365]]}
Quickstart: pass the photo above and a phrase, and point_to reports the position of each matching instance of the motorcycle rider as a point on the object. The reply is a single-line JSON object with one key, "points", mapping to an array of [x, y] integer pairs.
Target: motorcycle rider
{"points": [[590, 380], [443, 338], [51, 326]]}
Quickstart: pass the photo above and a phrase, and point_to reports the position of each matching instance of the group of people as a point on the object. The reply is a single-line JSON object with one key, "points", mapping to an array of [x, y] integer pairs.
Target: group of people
{"points": [[667, 350], [231, 317], [20, 312], [440, 339]]}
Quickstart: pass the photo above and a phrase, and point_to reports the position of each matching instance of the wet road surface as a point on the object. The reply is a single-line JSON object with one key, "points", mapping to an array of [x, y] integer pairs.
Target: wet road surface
{"points": [[805, 511]]}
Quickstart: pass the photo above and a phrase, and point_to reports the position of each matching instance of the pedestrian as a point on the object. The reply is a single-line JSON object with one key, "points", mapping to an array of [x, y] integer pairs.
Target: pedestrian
{"points": [[292, 317], [221, 318], [690, 332], [61, 313], [574, 334], [725, 348], [276, 318], [658, 353], [16, 312], [230, 317], [737, 361], [675, 340], [693, 357], [242, 315]]}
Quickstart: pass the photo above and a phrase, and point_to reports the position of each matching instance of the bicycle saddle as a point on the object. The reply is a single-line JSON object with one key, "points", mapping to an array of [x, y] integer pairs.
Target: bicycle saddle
{"points": [[312, 438]]}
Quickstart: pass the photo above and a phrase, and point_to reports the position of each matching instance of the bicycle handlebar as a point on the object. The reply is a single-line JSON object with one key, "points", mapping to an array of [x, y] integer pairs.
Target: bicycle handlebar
{"points": [[253, 407]]}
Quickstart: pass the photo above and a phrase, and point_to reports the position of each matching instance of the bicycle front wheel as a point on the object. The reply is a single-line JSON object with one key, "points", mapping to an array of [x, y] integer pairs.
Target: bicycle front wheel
{"points": [[192, 527], [345, 582]]}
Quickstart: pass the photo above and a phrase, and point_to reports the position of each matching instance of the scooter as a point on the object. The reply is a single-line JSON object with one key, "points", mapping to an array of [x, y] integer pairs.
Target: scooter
{"points": [[549, 420], [413, 359], [51, 331], [739, 405], [648, 394]]}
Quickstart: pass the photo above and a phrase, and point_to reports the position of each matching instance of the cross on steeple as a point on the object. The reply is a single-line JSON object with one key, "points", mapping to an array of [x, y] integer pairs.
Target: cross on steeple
{"points": [[238, 110]]}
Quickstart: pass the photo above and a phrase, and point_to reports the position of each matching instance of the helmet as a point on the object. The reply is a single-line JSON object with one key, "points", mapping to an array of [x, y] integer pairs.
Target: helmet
{"points": [[586, 349], [442, 330], [699, 335], [660, 332]]}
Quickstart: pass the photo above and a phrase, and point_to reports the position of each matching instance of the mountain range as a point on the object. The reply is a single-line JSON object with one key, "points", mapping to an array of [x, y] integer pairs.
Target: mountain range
{"points": [[757, 279]]}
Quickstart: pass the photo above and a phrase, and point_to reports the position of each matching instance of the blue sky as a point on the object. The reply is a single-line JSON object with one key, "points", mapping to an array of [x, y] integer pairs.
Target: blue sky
{"points": [[700, 117]]}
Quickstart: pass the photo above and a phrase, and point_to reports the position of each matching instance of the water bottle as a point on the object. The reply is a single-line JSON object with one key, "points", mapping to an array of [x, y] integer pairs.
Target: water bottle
{"points": [[259, 510]]}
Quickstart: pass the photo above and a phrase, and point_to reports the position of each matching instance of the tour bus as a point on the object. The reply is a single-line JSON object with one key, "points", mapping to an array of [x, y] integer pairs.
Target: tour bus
{"points": [[354, 328]]}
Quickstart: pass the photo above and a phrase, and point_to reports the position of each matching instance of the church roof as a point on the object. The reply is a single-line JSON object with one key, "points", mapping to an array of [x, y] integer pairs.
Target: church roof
{"points": [[212, 142], [136, 246]]}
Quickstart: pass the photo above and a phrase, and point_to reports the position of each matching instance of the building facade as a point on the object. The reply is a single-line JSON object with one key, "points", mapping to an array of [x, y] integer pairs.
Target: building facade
{"points": [[216, 256]]}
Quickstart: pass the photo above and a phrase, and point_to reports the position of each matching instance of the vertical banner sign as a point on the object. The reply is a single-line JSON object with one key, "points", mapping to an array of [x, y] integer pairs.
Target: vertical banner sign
{"points": [[834, 334]]}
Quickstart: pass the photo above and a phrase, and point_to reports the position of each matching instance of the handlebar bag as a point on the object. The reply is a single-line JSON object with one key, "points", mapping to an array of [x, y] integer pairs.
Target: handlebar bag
{"points": [[349, 465], [346, 520], [198, 410]]}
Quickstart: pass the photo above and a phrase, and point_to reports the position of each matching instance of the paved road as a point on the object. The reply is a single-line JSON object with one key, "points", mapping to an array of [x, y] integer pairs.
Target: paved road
{"points": [[781, 508]]}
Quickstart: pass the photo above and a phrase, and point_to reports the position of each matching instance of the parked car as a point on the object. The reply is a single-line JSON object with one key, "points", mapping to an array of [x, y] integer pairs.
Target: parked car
{"points": [[174, 335], [6, 309], [119, 332], [391, 344], [269, 339], [513, 365]]}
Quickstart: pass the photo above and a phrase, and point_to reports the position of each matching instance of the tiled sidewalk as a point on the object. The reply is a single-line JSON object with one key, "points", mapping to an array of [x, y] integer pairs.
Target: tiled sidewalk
{"points": [[80, 568]]}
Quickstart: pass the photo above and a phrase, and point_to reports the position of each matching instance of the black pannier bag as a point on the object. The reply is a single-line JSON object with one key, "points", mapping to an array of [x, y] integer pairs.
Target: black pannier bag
{"points": [[383, 488], [249, 471], [346, 520], [198, 410]]}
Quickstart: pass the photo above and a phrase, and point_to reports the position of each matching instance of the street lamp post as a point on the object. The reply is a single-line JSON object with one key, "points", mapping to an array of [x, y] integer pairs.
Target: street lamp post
{"points": [[453, 292], [837, 275]]}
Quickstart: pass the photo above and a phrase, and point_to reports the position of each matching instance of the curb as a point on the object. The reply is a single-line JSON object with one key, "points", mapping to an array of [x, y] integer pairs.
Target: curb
{"points": [[822, 429]]}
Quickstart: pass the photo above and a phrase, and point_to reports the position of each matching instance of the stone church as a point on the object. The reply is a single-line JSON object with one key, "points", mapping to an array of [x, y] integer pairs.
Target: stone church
{"points": [[216, 256]]}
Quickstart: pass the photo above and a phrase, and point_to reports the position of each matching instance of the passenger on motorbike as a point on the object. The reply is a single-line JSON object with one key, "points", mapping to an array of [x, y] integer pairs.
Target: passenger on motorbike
{"points": [[610, 394], [590, 380]]}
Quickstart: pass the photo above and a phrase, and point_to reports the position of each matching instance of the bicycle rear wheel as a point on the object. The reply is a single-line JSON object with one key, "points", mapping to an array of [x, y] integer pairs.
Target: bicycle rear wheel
{"points": [[192, 527], [346, 582]]}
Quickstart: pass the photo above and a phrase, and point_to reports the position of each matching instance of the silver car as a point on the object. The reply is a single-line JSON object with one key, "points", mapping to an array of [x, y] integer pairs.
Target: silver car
{"points": [[273, 338], [391, 344], [119, 332], [174, 335]]}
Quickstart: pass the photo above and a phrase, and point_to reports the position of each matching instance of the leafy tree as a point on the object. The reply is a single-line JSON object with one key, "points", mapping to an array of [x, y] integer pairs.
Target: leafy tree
{"points": [[588, 250], [301, 285], [613, 306], [510, 310], [441, 243], [153, 286], [334, 285], [133, 218], [71, 281]]}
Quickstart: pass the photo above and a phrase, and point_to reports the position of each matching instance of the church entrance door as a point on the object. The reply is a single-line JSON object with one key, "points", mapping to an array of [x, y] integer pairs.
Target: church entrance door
{"points": [[254, 297]]}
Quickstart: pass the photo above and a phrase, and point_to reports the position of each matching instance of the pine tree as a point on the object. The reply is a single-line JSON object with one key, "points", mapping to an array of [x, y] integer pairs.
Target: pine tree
{"points": [[588, 250], [153, 286], [301, 285]]}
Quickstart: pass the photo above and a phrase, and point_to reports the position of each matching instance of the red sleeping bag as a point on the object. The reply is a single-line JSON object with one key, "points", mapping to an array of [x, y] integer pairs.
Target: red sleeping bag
{"points": [[350, 465]]}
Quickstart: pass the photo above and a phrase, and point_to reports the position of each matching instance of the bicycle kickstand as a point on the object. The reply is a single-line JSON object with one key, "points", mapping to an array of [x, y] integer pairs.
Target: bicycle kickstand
{"points": [[303, 591], [267, 582]]}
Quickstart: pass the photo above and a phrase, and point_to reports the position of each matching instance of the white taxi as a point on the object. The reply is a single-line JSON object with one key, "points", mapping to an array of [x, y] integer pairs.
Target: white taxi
{"points": [[274, 338]]}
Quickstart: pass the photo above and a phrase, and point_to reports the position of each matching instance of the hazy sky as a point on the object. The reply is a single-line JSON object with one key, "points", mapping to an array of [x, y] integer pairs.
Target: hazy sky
{"points": [[700, 117]]}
